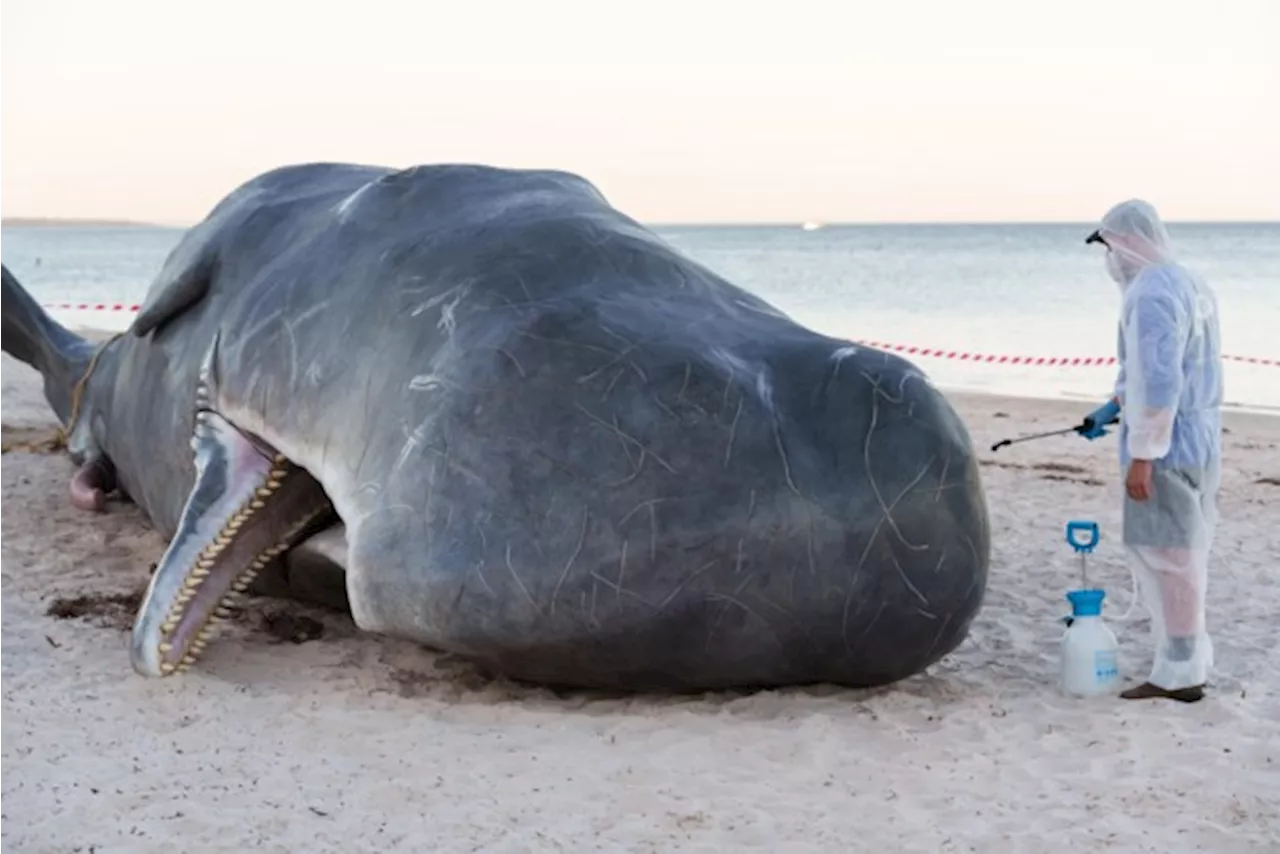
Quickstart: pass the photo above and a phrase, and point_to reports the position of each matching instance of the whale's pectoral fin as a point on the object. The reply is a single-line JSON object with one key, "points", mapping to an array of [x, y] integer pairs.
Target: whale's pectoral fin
{"points": [[184, 281], [248, 504]]}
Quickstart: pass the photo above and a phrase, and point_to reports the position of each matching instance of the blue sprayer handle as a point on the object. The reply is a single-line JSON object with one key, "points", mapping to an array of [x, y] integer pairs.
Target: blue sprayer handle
{"points": [[1088, 528]]}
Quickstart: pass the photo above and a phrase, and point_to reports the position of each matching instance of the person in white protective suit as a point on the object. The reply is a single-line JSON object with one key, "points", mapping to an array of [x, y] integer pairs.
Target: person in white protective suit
{"points": [[1169, 395]]}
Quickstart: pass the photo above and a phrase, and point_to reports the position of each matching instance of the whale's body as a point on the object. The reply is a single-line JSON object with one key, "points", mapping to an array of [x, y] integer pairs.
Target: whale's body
{"points": [[555, 444]]}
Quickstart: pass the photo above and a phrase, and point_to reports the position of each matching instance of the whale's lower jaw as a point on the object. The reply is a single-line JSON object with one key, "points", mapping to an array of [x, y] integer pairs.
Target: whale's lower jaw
{"points": [[248, 505]]}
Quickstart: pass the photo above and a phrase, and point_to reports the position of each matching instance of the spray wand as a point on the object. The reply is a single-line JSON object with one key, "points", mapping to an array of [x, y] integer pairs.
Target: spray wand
{"points": [[1084, 425]]}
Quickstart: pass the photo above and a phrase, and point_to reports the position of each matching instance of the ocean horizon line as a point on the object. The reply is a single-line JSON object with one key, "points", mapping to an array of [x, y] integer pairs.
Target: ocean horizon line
{"points": [[816, 224]]}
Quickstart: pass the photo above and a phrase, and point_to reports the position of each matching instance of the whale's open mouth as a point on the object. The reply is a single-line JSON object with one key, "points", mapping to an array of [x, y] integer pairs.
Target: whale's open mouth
{"points": [[248, 504]]}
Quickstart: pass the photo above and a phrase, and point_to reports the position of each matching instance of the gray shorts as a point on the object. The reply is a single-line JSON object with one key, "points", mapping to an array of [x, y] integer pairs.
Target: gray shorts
{"points": [[1178, 515]]}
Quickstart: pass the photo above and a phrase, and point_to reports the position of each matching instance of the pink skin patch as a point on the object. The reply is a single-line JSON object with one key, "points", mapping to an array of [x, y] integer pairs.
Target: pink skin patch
{"points": [[89, 487]]}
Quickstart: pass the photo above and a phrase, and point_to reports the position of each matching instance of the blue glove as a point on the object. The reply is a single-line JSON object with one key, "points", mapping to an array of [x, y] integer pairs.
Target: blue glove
{"points": [[1095, 423]]}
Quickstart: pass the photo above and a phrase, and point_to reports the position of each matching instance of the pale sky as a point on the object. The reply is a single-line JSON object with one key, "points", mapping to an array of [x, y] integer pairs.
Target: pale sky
{"points": [[679, 110]]}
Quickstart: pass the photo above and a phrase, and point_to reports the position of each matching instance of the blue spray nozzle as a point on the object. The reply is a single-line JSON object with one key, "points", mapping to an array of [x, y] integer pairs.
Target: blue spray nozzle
{"points": [[1082, 528], [1086, 603]]}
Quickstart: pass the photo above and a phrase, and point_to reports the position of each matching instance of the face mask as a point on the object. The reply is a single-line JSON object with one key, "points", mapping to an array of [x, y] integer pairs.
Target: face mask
{"points": [[1113, 268]]}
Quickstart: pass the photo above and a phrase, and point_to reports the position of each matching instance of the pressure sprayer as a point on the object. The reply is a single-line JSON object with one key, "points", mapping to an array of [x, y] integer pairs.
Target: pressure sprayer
{"points": [[1088, 654]]}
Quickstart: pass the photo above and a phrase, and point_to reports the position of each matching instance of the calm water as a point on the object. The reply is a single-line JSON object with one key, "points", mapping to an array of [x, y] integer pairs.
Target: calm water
{"points": [[1033, 290]]}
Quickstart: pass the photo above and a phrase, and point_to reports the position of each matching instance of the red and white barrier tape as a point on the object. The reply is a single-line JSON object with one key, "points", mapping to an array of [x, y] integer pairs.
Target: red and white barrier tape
{"points": [[1046, 361], [908, 349], [90, 306]]}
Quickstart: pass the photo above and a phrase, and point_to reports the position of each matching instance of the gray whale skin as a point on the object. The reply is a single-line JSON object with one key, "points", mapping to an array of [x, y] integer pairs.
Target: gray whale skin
{"points": [[522, 428]]}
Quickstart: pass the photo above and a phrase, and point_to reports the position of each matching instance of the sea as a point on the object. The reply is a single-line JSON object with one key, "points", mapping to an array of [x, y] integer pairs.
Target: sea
{"points": [[953, 298]]}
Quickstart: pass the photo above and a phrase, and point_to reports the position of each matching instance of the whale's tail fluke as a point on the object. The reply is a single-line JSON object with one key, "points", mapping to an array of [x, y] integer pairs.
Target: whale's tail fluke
{"points": [[32, 336]]}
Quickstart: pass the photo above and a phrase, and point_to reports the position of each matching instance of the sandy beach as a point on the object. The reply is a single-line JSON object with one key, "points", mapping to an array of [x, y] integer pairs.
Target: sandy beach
{"points": [[296, 732]]}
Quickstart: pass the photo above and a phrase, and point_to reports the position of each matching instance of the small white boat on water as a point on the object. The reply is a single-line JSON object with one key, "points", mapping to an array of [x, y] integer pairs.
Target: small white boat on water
{"points": [[811, 226]]}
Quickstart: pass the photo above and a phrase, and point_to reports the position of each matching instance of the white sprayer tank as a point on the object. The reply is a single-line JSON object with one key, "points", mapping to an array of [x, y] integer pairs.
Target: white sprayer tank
{"points": [[1088, 657]]}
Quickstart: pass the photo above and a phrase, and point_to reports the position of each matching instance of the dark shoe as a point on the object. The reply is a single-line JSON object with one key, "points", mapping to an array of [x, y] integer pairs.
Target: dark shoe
{"points": [[1147, 691]]}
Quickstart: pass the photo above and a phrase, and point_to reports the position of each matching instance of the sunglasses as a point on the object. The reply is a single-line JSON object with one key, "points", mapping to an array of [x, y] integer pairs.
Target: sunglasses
{"points": [[1096, 237]]}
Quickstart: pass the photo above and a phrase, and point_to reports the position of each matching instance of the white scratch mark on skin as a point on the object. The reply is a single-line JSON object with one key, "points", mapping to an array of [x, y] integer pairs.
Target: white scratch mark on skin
{"points": [[782, 452], [732, 364], [528, 295], [875, 532], [942, 629], [737, 566], [813, 565], [733, 600], [622, 570], [457, 292], [842, 353], [369, 514], [733, 433], [675, 591], [479, 571], [653, 531], [617, 430], [649, 503], [312, 373], [905, 580], [617, 358], [764, 388], [618, 591], [447, 322], [876, 389], [413, 441], [667, 409], [594, 590], [520, 583], [730, 600], [844, 629], [293, 355], [609, 389], [577, 550], [942, 479], [514, 361], [427, 382], [344, 207], [310, 312], [631, 345], [875, 488]]}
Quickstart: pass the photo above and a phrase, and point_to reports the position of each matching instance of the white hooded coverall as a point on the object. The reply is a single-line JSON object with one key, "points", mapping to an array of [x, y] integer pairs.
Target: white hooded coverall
{"points": [[1170, 391]]}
